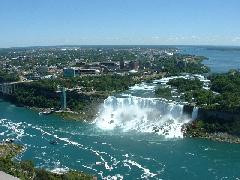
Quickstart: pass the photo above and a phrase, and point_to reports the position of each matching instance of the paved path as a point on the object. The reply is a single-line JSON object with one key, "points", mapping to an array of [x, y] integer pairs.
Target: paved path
{"points": [[4, 176]]}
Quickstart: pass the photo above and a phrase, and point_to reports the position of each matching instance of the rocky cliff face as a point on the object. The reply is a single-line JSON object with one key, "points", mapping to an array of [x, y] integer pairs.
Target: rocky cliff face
{"points": [[212, 121], [210, 115]]}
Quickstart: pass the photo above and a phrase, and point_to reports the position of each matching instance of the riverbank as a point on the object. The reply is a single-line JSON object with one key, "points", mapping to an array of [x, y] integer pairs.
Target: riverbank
{"points": [[25, 169], [196, 130], [88, 113]]}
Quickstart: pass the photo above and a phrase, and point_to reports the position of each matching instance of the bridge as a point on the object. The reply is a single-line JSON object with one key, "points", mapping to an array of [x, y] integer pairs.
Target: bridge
{"points": [[9, 88]]}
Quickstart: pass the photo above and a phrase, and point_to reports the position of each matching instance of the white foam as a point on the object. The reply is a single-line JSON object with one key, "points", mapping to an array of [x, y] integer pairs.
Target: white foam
{"points": [[142, 86], [116, 177], [195, 113], [15, 129], [146, 172], [146, 115]]}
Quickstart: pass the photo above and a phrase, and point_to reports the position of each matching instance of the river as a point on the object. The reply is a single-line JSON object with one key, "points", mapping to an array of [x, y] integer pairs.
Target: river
{"points": [[220, 58], [136, 136]]}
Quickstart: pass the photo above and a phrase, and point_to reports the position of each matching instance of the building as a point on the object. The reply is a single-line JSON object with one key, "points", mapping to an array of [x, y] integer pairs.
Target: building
{"points": [[111, 66], [88, 71], [70, 72]]}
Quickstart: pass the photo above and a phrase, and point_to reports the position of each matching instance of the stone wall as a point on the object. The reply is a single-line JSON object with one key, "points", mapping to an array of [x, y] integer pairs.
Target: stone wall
{"points": [[187, 110]]}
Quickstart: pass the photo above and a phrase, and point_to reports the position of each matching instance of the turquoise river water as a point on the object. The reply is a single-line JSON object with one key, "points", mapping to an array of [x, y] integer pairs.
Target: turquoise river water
{"points": [[106, 154]]}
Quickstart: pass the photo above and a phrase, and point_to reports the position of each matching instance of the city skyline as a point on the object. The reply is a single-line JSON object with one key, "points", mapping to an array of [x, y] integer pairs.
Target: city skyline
{"points": [[119, 22]]}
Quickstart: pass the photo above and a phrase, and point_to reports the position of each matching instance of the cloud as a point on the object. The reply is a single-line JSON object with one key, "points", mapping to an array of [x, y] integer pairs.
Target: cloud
{"points": [[236, 39]]}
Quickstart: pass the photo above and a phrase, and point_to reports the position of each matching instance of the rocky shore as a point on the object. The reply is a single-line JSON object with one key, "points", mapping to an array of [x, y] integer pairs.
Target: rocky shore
{"points": [[193, 130]]}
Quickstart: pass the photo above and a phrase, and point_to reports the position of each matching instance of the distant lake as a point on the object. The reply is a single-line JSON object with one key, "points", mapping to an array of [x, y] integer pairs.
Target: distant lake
{"points": [[221, 59]]}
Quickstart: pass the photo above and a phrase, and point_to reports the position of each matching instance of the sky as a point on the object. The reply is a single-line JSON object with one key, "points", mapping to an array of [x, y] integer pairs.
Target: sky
{"points": [[119, 22]]}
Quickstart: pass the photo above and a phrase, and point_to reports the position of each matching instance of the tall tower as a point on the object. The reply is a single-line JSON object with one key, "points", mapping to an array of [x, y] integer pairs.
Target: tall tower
{"points": [[63, 98]]}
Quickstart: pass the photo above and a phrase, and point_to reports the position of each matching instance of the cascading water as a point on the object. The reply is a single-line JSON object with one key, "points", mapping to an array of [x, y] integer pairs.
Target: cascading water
{"points": [[195, 113], [146, 115]]}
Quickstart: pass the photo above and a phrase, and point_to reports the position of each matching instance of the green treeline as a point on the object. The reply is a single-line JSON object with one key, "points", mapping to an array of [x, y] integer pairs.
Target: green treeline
{"points": [[184, 85], [36, 94], [228, 85], [223, 95], [174, 65], [8, 77], [91, 90], [98, 83], [164, 92], [193, 91]]}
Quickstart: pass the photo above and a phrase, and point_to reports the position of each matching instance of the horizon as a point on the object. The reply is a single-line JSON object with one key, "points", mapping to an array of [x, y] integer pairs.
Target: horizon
{"points": [[116, 45], [137, 22]]}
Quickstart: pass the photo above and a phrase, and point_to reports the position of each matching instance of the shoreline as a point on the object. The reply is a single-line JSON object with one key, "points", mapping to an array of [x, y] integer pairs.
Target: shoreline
{"points": [[191, 131], [221, 138], [218, 137], [64, 114]]}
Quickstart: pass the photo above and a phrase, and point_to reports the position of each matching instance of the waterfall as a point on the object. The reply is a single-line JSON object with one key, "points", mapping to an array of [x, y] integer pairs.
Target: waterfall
{"points": [[195, 113], [145, 115]]}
